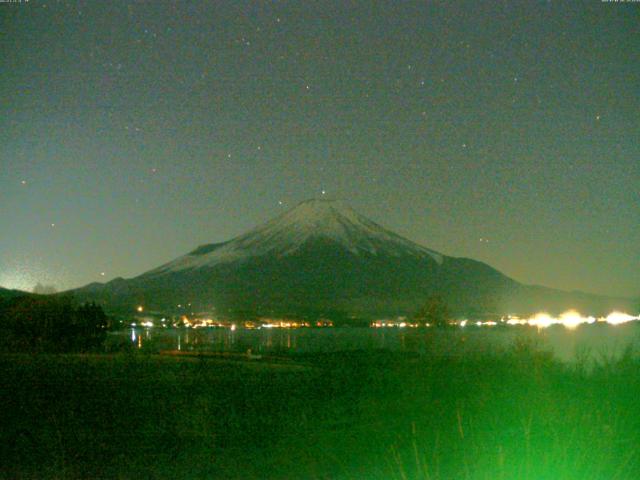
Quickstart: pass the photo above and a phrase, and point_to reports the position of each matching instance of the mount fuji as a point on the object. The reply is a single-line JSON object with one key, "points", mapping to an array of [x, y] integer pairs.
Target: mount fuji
{"points": [[323, 259], [331, 222]]}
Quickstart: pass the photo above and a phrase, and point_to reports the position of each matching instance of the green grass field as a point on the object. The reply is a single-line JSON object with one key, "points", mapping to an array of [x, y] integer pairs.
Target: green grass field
{"points": [[515, 414]]}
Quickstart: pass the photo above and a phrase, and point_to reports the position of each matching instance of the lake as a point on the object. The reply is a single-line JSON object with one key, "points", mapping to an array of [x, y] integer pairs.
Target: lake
{"points": [[596, 341]]}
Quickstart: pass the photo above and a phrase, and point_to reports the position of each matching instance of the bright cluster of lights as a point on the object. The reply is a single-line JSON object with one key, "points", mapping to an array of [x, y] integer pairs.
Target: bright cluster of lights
{"points": [[284, 324], [396, 324], [616, 318], [187, 322], [570, 319], [490, 323], [204, 323]]}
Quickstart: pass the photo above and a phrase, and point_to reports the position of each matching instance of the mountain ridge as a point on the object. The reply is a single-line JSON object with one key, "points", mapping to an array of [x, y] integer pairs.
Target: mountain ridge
{"points": [[322, 256]]}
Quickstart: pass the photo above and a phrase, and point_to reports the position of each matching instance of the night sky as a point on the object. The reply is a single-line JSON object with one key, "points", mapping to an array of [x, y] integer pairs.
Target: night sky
{"points": [[508, 132]]}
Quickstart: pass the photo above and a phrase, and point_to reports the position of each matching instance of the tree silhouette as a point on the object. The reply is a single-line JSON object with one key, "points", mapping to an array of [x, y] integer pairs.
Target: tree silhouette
{"points": [[434, 312], [34, 323]]}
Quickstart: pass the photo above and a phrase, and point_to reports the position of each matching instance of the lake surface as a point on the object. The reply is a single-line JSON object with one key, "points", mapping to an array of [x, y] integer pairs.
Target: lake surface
{"points": [[595, 341]]}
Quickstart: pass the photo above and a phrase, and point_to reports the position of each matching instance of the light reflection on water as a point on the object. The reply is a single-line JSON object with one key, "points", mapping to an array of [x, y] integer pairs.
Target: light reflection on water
{"points": [[594, 340]]}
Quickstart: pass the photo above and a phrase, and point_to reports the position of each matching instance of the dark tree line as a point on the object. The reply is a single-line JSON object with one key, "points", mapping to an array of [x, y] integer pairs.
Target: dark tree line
{"points": [[51, 324]]}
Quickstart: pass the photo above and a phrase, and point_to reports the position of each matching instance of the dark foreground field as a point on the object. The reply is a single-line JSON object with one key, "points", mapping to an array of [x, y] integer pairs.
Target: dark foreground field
{"points": [[508, 415]]}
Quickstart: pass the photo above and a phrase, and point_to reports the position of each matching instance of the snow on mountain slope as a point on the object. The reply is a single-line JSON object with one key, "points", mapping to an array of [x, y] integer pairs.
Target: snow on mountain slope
{"points": [[287, 233]]}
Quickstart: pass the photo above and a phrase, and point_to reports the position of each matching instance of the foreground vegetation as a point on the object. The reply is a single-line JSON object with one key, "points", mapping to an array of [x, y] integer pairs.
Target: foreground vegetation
{"points": [[516, 414]]}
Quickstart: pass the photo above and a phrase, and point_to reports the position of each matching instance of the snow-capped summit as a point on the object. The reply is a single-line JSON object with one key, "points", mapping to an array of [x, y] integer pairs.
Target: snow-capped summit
{"points": [[325, 220]]}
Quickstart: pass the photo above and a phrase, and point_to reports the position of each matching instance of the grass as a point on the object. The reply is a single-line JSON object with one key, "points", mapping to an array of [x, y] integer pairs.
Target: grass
{"points": [[514, 414]]}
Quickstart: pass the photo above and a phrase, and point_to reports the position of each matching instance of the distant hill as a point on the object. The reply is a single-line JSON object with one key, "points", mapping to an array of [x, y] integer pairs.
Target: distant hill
{"points": [[324, 259], [7, 294]]}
